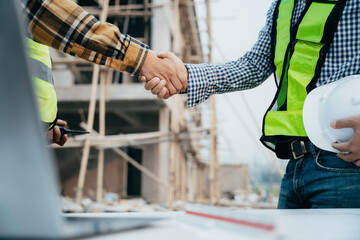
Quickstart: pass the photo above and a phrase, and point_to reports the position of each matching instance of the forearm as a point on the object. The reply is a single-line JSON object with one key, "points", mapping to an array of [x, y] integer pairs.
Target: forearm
{"points": [[207, 79], [247, 72], [65, 26]]}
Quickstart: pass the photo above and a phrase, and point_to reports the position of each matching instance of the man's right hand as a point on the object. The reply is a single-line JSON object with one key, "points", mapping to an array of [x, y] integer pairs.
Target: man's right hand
{"points": [[166, 72]]}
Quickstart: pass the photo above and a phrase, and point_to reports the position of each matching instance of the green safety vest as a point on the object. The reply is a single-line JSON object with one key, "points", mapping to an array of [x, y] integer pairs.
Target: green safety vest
{"points": [[40, 65], [298, 54]]}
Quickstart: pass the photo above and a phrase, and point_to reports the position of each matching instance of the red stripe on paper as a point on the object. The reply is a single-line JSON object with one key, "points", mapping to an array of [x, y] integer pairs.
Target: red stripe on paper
{"points": [[261, 226]]}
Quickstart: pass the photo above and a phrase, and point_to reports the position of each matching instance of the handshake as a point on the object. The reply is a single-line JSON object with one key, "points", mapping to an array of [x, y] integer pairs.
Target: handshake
{"points": [[164, 74]]}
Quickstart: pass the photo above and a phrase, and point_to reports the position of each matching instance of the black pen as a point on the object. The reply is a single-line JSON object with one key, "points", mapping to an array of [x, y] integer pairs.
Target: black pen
{"points": [[64, 131]]}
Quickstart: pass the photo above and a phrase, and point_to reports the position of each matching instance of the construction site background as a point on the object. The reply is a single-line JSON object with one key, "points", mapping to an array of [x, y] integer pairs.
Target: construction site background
{"points": [[144, 153]]}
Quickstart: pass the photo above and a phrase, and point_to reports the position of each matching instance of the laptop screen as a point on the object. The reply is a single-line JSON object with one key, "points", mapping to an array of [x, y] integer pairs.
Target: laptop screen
{"points": [[28, 188]]}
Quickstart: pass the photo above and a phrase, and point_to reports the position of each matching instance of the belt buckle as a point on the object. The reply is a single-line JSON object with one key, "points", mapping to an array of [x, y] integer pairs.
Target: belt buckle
{"points": [[294, 154]]}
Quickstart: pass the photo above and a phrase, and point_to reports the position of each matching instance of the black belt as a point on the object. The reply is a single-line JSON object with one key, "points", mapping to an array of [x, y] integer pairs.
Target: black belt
{"points": [[295, 149]]}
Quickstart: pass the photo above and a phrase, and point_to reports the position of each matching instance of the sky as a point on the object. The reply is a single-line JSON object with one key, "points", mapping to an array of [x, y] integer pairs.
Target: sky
{"points": [[235, 28]]}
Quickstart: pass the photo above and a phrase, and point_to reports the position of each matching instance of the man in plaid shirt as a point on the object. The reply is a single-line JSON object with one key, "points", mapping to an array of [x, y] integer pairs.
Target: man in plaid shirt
{"points": [[310, 182], [65, 26]]}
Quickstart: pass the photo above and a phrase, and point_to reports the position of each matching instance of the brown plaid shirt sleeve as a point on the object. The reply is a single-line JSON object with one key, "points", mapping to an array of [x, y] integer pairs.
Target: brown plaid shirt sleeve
{"points": [[65, 26]]}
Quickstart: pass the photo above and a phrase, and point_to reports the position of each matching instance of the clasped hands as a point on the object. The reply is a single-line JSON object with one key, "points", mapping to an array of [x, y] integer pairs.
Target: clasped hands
{"points": [[164, 74]]}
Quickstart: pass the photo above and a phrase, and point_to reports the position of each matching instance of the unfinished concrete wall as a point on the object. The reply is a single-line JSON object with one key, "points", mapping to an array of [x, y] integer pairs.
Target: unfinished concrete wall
{"points": [[163, 155], [63, 78], [113, 179], [156, 159], [161, 23], [149, 188], [234, 178]]}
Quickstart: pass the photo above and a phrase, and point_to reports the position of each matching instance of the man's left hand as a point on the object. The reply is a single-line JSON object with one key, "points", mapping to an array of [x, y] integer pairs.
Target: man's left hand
{"points": [[353, 146]]}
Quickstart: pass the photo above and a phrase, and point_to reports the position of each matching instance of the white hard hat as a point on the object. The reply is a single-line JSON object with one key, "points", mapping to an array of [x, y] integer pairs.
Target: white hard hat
{"points": [[334, 101]]}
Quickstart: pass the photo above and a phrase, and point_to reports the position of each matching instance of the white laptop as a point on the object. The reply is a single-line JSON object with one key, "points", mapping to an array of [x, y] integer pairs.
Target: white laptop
{"points": [[29, 199]]}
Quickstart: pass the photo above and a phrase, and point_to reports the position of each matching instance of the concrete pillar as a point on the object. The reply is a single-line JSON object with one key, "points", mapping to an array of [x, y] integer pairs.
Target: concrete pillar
{"points": [[156, 159], [161, 25]]}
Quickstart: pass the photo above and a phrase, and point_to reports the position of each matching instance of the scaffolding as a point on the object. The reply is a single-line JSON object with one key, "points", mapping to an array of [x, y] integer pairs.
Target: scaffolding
{"points": [[180, 129]]}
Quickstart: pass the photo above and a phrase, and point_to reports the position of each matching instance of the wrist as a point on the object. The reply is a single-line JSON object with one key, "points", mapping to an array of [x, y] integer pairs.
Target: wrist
{"points": [[149, 59]]}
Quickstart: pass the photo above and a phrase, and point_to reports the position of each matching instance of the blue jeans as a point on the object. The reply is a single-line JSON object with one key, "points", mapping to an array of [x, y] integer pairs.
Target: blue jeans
{"points": [[320, 181]]}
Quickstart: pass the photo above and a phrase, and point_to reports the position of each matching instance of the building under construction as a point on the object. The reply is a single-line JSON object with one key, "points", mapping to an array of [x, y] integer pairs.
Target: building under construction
{"points": [[139, 145]]}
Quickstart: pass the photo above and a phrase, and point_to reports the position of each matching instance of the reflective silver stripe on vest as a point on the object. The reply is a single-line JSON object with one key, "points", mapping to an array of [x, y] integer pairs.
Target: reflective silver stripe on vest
{"points": [[41, 71]]}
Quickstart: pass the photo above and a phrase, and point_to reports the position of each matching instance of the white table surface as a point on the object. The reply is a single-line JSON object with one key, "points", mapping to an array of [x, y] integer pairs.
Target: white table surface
{"points": [[329, 224]]}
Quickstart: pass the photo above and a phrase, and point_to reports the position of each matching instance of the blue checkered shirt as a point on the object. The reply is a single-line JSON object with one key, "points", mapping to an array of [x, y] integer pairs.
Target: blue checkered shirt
{"points": [[343, 59]]}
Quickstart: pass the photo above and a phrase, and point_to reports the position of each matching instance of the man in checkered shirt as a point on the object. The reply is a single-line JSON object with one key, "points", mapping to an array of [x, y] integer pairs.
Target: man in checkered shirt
{"points": [[326, 179]]}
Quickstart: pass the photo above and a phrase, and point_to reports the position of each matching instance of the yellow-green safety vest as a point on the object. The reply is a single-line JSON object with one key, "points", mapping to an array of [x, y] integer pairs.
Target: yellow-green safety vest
{"points": [[40, 64], [298, 53]]}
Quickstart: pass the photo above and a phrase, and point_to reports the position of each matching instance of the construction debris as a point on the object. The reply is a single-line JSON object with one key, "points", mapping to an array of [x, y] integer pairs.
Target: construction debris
{"points": [[69, 206], [111, 198], [111, 203]]}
